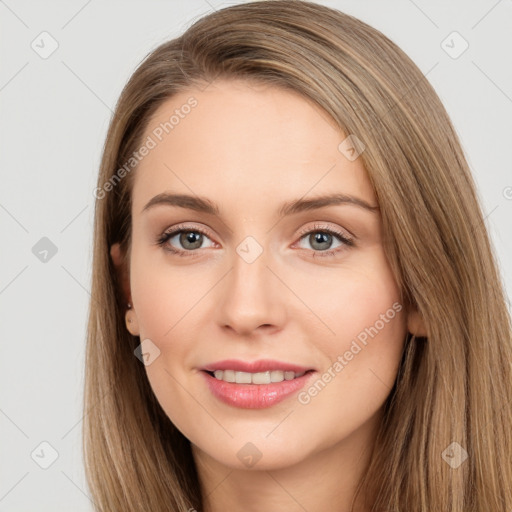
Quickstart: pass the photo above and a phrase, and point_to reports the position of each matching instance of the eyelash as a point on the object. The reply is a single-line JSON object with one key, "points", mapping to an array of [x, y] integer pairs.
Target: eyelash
{"points": [[167, 235]]}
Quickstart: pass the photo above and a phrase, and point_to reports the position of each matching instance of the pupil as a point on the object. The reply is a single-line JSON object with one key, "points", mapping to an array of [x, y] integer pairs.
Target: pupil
{"points": [[321, 238], [192, 238]]}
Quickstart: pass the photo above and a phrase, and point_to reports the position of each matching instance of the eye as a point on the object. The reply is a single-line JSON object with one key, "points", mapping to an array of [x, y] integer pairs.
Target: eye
{"points": [[320, 239], [190, 239]]}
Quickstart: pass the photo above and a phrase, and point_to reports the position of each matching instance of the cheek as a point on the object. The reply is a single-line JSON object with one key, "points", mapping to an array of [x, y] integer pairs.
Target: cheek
{"points": [[355, 298], [162, 295], [364, 353], [367, 328]]}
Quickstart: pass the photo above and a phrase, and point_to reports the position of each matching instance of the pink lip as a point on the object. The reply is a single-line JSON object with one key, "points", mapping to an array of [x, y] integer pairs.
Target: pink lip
{"points": [[254, 396], [262, 365]]}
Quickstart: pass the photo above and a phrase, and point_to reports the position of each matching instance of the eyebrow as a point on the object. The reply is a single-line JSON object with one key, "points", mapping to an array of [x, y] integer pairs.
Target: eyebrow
{"points": [[204, 205]]}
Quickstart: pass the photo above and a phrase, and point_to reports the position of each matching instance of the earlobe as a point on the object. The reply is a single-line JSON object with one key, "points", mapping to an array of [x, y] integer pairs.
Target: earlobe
{"points": [[131, 322], [416, 324]]}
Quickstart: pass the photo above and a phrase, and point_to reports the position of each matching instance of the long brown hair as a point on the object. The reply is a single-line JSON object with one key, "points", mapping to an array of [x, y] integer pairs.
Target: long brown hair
{"points": [[453, 389]]}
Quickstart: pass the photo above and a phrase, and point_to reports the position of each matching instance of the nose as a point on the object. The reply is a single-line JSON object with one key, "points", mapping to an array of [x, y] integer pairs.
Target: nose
{"points": [[252, 297]]}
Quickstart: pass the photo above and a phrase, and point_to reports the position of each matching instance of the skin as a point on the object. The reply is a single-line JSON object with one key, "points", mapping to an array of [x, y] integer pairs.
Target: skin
{"points": [[270, 146]]}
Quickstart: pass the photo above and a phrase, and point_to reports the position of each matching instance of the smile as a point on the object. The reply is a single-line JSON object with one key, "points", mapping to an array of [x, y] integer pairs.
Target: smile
{"points": [[249, 392], [255, 378]]}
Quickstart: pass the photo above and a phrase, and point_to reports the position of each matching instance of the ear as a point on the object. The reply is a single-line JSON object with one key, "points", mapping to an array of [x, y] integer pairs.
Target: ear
{"points": [[118, 259], [416, 323]]}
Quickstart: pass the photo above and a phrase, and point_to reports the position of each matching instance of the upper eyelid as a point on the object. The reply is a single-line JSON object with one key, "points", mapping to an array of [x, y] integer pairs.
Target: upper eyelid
{"points": [[177, 229], [318, 227]]}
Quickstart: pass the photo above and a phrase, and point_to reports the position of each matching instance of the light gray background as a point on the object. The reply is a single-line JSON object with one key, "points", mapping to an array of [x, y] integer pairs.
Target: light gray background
{"points": [[54, 117]]}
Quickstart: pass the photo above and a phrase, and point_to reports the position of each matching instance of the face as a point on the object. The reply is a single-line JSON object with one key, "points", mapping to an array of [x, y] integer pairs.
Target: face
{"points": [[306, 286]]}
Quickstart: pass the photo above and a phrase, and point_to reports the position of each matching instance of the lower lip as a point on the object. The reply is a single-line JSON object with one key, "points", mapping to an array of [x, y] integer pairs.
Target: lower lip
{"points": [[254, 396]]}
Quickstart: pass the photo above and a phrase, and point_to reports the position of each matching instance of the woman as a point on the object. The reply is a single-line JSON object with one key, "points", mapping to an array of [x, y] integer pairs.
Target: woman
{"points": [[258, 368]]}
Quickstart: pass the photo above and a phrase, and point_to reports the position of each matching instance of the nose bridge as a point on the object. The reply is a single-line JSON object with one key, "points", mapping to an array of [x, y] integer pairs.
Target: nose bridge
{"points": [[250, 295], [250, 274]]}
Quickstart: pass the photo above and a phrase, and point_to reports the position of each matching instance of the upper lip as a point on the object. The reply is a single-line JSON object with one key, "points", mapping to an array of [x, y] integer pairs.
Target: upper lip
{"points": [[261, 365]]}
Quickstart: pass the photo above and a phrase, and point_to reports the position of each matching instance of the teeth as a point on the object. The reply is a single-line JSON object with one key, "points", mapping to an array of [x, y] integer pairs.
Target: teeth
{"points": [[255, 378]]}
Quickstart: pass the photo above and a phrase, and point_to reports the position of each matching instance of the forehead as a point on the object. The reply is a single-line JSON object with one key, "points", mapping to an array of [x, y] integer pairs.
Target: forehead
{"points": [[245, 142]]}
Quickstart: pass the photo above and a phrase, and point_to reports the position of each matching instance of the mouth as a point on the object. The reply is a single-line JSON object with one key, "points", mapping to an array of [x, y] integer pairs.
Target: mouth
{"points": [[258, 378], [258, 390]]}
